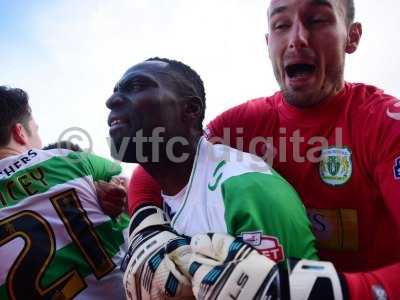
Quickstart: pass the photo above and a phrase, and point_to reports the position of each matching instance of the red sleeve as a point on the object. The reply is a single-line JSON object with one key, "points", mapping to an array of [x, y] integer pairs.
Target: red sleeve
{"points": [[383, 144], [369, 285], [221, 130], [384, 154], [238, 126], [142, 189], [387, 158]]}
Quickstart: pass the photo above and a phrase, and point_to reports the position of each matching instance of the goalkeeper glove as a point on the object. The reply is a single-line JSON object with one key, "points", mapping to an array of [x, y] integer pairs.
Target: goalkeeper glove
{"points": [[150, 270], [223, 267]]}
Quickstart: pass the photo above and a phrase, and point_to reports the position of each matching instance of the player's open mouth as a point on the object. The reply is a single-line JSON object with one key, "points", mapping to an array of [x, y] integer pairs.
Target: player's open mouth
{"points": [[116, 122], [297, 71]]}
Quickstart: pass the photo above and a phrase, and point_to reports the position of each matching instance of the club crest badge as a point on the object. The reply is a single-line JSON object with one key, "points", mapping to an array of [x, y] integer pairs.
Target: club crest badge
{"points": [[335, 167]]}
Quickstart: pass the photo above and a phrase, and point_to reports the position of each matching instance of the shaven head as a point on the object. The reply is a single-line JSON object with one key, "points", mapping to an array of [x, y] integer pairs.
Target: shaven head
{"points": [[189, 82]]}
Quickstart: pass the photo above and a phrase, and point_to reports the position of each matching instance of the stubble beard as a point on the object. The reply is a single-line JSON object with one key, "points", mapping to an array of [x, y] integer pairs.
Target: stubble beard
{"points": [[304, 99]]}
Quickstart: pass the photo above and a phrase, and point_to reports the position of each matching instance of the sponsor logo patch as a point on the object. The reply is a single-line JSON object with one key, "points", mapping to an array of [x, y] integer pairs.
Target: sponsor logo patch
{"points": [[336, 166], [396, 168], [268, 245], [335, 229]]}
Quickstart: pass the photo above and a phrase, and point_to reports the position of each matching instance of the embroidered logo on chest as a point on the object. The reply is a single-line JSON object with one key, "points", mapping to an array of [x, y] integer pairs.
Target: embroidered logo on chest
{"points": [[335, 167]]}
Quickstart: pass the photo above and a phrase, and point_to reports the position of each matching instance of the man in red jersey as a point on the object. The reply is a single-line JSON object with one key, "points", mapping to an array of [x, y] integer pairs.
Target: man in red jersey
{"points": [[335, 142]]}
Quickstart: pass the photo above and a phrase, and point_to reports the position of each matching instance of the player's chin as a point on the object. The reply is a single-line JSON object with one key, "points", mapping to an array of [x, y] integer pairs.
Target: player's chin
{"points": [[116, 146], [125, 151], [301, 98]]}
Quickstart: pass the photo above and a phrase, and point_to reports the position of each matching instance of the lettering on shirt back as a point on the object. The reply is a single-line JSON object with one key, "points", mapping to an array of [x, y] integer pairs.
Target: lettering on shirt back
{"points": [[24, 184], [16, 165]]}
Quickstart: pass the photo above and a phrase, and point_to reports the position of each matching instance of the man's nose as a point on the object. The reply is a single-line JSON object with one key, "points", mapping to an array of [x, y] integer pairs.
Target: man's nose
{"points": [[114, 101], [298, 36]]}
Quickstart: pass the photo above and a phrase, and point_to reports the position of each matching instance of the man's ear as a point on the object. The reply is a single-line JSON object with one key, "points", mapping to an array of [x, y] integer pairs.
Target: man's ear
{"points": [[193, 110], [353, 37], [267, 41], [19, 134]]}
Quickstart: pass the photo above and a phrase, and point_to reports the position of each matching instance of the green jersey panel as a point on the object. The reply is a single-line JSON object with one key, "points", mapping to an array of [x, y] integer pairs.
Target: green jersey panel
{"points": [[100, 168], [55, 241], [237, 193], [266, 203]]}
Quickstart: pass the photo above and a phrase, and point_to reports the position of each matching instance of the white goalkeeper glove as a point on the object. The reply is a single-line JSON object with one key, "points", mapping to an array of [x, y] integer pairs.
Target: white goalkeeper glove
{"points": [[224, 267], [150, 270]]}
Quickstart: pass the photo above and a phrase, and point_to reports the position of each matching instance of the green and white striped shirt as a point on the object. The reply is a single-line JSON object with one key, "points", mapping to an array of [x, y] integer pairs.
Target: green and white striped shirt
{"points": [[55, 241]]}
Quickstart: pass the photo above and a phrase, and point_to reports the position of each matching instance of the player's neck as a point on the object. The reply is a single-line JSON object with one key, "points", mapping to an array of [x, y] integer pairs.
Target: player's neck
{"points": [[172, 175], [9, 151]]}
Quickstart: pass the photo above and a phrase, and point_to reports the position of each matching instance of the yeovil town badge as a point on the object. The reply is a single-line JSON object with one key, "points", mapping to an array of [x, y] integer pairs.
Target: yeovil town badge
{"points": [[335, 167]]}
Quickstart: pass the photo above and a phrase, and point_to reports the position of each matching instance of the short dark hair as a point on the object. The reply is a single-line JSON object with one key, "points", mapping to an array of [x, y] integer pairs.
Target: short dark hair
{"points": [[190, 82], [14, 108], [350, 11], [63, 145]]}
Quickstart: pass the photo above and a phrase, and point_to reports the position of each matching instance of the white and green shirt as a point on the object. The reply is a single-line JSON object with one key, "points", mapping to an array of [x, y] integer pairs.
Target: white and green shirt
{"points": [[238, 193], [55, 241]]}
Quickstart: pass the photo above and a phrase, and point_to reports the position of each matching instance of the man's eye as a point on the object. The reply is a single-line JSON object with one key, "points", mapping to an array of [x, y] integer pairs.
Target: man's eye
{"points": [[134, 86], [318, 20], [281, 26]]}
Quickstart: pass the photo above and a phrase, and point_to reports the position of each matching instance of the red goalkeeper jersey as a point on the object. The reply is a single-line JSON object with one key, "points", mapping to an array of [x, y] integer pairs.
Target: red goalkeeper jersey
{"points": [[343, 158]]}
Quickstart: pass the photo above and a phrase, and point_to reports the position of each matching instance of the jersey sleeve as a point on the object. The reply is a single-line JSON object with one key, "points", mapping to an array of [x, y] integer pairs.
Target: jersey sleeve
{"points": [[143, 189], [387, 166], [227, 126], [382, 155], [258, 202], [215, 129], [385, 148], [237, 126], [99, 167], [373, 285]]}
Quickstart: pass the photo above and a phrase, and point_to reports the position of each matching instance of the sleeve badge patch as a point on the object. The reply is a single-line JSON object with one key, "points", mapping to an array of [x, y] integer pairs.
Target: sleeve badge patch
{"points": [[267, 245], [396, 168]]}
